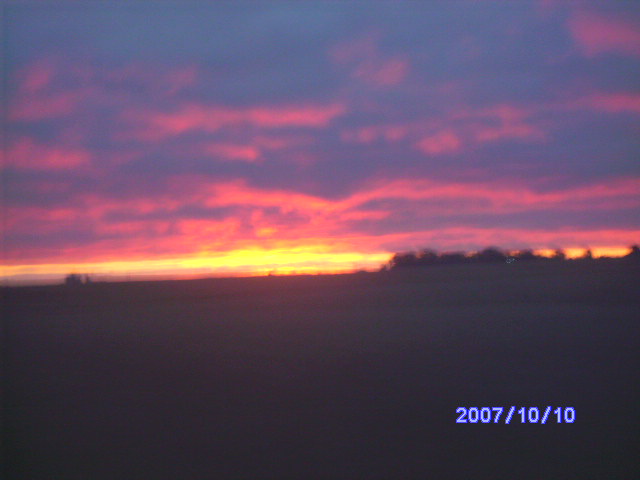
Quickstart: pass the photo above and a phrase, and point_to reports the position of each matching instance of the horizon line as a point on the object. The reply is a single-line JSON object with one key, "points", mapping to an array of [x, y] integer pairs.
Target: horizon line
{"points": [[197, 267]]}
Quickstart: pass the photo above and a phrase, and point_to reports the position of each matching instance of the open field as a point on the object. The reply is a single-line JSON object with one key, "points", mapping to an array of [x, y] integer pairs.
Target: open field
{"points": [[338, 377]]}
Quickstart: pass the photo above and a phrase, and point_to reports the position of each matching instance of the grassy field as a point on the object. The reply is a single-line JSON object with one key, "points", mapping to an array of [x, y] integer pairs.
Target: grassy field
{"points": [[337, 377]]}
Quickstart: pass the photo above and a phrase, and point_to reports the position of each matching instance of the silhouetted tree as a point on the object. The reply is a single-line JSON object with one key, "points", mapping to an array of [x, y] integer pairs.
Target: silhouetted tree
{"points": [[404, 260], [588, 255], [489, 255], [73, 280], [525, 255], [452, 258], [427, 257], [634, 253]]}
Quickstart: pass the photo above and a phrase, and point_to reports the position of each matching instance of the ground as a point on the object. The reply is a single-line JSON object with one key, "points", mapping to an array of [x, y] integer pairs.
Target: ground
{"points": [[337, 377]]}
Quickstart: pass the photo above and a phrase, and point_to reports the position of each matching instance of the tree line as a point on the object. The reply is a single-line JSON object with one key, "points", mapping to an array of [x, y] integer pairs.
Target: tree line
{"points": [[428, 257]]}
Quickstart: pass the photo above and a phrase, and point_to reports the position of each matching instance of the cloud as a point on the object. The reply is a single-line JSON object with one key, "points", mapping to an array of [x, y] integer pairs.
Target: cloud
{"points": [[52, 87], [231, 151], [202, 132], [26, 154], [596, 34], [295, 215], [442, 142], [38, 106], [612, 102], [455, 130], [365, 62], [155, 125]]}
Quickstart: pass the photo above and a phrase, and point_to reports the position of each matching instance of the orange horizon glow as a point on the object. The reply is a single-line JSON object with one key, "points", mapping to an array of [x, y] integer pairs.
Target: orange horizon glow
{"points": [[247, 262]]}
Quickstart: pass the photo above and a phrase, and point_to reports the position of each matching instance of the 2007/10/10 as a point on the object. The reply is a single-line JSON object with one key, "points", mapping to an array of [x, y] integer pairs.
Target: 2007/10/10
{"points": [[527, 415]]}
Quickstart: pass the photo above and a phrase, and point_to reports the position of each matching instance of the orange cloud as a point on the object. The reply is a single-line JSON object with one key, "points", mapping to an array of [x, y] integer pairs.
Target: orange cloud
{"points": [[596, 34]]}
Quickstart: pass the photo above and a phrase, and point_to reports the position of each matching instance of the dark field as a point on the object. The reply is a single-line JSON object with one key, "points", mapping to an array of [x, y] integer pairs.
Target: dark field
{"points": [[336, 377]]}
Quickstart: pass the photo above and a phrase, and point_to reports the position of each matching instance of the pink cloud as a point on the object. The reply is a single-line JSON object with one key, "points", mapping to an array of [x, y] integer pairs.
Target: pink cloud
{"points": [[596, 34], [212, 118], [281, 142], [36, 76], [38, 107], [364, 61], [329, 215], [391, 132], [154, 77], [26, 154], [499, 122], [455, 130], [246, 153], [500, 198], [239, 145], [36, 97], [323, 222], [469, 238], [615, 102], [491, 134], [304, 116], [445, 141], [50, 87], [383, 73]]}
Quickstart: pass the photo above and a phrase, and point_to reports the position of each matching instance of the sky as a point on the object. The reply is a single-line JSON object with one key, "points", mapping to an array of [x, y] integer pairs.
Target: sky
{"points": [[227, 138]]}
